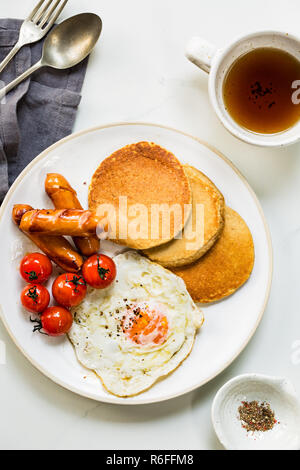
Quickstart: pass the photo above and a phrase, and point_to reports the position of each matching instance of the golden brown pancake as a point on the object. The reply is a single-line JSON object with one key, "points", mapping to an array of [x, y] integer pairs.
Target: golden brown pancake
{"points": [[226, 267], [208, 202], [148, 175]]}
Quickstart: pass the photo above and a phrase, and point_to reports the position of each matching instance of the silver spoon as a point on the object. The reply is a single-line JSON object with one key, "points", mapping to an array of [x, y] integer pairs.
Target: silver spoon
{"points": [[67, 45]]}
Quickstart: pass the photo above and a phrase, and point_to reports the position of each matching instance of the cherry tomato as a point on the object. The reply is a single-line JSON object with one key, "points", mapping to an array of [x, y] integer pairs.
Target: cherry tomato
{"points": [[69, 290], [99, 271], [55, 321], [36, 268], [35, 298]]}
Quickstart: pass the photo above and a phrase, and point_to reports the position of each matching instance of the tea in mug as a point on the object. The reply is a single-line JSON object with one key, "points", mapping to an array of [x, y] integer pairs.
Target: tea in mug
{"points": [[258, 91]]}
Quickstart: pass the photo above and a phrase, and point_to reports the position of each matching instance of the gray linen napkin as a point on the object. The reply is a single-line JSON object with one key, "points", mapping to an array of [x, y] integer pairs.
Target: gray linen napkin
{"points": [[39, 112]]}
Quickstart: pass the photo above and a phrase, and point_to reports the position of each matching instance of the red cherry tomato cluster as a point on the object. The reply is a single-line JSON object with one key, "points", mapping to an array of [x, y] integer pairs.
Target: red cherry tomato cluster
{"points": [[68, 290]]}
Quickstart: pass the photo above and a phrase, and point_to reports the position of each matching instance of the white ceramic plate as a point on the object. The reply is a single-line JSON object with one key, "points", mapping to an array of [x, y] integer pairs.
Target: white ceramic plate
{"points": [[229, 324]]}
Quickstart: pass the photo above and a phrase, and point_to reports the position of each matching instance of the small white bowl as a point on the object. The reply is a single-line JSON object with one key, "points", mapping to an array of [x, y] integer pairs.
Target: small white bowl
{"points": [[276, 391]]}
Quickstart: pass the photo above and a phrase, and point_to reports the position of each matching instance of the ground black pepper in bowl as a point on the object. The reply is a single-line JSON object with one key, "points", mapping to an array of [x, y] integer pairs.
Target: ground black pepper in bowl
{"points": [[256, 416]]}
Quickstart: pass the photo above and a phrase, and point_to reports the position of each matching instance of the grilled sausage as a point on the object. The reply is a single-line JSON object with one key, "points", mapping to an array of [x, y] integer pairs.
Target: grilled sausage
{"points": [[69, 222], [64, 196], [58, 249]]}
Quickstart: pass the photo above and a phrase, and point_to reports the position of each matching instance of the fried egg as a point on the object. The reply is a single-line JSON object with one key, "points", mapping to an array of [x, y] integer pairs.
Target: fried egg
{"points": [[137, 330]]}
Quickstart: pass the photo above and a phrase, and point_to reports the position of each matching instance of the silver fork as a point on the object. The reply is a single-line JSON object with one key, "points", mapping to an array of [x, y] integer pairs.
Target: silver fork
{"points": [[36, 26]]}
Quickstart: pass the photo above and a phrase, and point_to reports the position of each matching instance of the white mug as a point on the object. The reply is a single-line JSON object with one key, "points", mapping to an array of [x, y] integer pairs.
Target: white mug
{"points": [[217, 63]]}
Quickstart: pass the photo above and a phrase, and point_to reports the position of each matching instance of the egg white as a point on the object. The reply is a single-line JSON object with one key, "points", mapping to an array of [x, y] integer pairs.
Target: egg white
{"points": [[124, 367]]}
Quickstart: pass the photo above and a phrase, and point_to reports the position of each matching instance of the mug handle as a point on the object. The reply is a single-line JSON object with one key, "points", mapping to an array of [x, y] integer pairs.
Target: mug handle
{"points": [[200, 52]]}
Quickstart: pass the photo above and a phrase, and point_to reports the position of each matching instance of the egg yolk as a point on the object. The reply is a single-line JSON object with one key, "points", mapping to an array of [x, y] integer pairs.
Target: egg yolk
{"points": [[145, 326]]}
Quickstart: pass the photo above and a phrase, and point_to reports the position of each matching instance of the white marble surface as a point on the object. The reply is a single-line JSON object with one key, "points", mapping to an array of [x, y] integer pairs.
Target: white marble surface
{"points": [[139, 73]]}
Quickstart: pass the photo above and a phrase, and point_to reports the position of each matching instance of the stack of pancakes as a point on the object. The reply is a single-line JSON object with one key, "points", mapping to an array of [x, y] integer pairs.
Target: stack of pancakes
{"points": [[210, 246]]}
